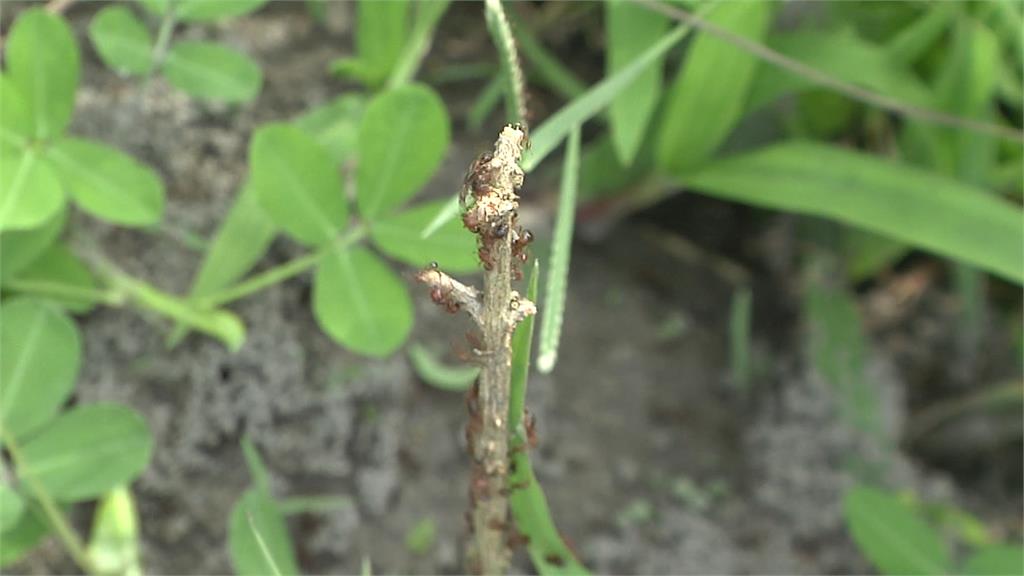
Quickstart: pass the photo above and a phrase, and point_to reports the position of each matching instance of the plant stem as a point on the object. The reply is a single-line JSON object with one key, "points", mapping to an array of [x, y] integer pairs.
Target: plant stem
{"points": [[501, 31], [282, 272], [163, 41], [60, 523]]}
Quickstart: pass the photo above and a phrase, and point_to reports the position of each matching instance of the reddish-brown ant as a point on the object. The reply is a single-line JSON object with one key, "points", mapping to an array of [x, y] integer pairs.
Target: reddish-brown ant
{"points": [[516, 539], [530, 423], [555, 560], [440, 296], [471, 221], [479, 173], [520, 243], [484, 253]]}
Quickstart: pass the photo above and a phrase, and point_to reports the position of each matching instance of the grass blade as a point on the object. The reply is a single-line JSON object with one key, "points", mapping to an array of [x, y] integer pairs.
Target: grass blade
{"points": [[522, 343], [428, 14], [444, 215], [501, 31], [561, 250], [550, 134], [739, 337], [923, 209]]}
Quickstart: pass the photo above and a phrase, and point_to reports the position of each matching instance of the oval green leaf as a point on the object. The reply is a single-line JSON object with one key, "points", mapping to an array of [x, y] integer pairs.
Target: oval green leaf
{"points": [[335, 125], [17, 129], [11, 508], [361, 303], [706, 100], [297, 183], [889, 533], [20, 248], [43, 62], [451, 245], [114, 540], [108, 183], [121, 40], [920, 208], [23, 536], [212, 72], [30, 193], [63, 277], [258, 537], [995, 561], [87, 451], [40, 351], [403, 138]]}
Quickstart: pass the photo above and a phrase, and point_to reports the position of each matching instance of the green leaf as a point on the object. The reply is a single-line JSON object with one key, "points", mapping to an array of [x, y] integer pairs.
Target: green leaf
{"points": [[740, 312], [335, 125], [212, 72], [23, 537], [545, 65], [403, 138], [108, 183], [19, 248], [840, 53], [40, 351], [43, 62], [30, 193], [561, 251], [916, 39], [213, 10], [297, 183], [400, 236], [258, 537], [381, 31], [522, 346], [121, 40], [257, 469], [432, 371], [360, 303], [550, 134], [631, 30], [240, 242], [867, 254], [920, 208], [889, 533], [11, 508], [422, 536], [87, 451], [17, 128], [707, 98], [428, 14], [114, 540], [995, 561], [59, 273]]}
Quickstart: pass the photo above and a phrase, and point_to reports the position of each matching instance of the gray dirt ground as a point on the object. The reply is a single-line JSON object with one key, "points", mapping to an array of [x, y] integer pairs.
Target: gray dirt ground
{"points": [[629, 413]]}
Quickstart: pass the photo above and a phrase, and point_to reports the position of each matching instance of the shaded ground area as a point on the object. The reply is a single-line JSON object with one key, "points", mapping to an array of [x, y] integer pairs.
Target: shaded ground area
{"points": [[651, 461]]}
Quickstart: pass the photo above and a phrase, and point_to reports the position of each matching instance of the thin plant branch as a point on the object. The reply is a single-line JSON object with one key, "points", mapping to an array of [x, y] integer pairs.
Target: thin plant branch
{"points": [[490, 203], [67, 535], [825, 80], [501, 30]]}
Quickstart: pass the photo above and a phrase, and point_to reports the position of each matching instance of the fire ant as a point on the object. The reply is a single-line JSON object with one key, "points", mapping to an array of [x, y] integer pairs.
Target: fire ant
{"points": [[530, 423], [555, 560], [471, 220], [478, 175], [440, 296], [484, 253], [516, 539], [520, 242]]}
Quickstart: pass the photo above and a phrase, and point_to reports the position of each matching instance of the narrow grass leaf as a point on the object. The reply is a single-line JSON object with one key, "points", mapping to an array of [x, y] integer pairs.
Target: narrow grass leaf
{"points": [[995, 561], [448, 211], [451, 246], [912, 42], [360, 302], [258, 538], [212, 72], [257, 469], [550, 134], [121, 40], [12, 506], [87, 451], [213, 10], [522, 346], [485, 103], [707, 98], [64, 278], [108, 183], [431, 370], [923, 209], [891, 535], [40, 353], [740, 313], [403, 138], [381, 32], [43, 62], [20, 248], [631, 30], [428, 14], [549, 70], [840, 53], [335, 125], [297, 183], [241, 241], [30, 192], [561, 251], [114, 540]]}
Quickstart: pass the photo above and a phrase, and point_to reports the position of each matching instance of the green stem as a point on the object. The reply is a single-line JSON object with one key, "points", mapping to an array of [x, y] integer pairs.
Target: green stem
{"points": [[60, 523], [163, 41], [108, 297], [282, 272]]}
